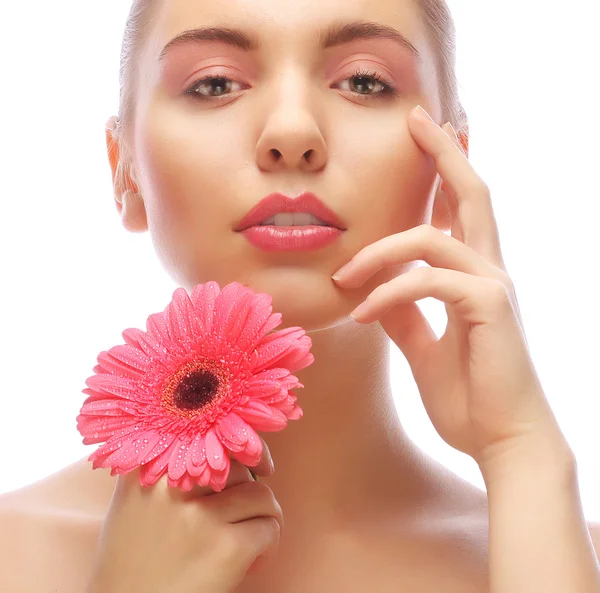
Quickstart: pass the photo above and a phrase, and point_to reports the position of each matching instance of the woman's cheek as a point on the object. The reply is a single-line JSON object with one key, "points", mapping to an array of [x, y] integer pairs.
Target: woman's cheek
{"points": [[371, 150], [389, 162], [186, 143]]}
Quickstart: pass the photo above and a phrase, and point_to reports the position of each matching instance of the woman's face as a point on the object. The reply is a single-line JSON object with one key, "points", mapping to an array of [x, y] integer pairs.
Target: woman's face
{"points": [[202, 161]]}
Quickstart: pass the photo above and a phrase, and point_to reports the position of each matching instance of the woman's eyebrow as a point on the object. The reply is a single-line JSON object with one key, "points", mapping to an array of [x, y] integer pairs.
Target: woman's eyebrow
{"points": [[333, 35]]}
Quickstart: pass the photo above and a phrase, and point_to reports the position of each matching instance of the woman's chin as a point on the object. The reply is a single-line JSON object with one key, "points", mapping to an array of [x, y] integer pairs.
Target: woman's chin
{"points": [[309, 300]]}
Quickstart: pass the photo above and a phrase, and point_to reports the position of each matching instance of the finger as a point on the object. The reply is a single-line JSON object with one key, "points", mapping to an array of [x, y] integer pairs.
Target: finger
{"points": [[245, 501], [423, 242], [408, 328], [474, 298], [456, 229], [447, 127], [480, 231]]}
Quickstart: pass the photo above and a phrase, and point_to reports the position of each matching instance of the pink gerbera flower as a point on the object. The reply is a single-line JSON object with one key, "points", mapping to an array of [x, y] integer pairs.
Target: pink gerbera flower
{"points": [[192, 390]]}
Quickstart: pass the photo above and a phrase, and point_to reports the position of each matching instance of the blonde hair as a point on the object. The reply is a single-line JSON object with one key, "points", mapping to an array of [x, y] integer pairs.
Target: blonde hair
{"points": [[436, 18]]}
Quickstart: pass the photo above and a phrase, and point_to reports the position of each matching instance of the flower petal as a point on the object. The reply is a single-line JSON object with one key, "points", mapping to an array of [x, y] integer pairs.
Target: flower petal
{"points": [[121, 458], [104, 426], [261, 416], [262, 388], [109, 366], [215, 453], [269, 352], [145, 341], [178, 316], [111, 407], [253, 452], [158, 465], [257, 322], [296, 413], [218, 479], [156, 326], [299, 343], [197, 451], [159, 446], [203, 298], [184, 483], [227, 307], [147, 442], [177, 463], [233, 428], [238, 317], [125, 388], [132, 359]]}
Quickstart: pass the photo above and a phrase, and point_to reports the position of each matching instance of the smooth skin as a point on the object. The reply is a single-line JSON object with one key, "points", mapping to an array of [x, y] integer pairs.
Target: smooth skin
{"points": [[365, 509]]}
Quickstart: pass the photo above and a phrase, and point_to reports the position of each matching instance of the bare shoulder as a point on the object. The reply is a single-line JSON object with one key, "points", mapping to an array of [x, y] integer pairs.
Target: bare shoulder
{"points": [[44, 547]]}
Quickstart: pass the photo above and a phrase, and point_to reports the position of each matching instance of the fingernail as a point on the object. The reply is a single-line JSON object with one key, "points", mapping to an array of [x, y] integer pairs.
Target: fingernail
{"points": [[343, 270], [420, 112]]}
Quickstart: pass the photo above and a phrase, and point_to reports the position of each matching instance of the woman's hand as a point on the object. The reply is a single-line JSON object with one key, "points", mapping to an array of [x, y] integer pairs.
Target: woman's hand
{"points": [[478, 383], [159, 539]]}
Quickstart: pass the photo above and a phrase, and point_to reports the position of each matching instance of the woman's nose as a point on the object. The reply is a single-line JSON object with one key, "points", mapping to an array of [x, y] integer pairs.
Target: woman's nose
{"points": [[291, 140]]}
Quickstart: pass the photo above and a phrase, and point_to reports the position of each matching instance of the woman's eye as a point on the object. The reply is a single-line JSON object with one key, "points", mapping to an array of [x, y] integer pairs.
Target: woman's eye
{"points": [[364, 81], [203, 88]]}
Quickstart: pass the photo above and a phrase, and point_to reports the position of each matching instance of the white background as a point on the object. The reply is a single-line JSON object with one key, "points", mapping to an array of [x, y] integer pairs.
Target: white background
{"points": [[73, 278]]}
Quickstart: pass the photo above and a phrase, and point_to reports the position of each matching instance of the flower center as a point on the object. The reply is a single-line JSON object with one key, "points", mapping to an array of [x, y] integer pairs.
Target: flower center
{"points": [[195, 390]]}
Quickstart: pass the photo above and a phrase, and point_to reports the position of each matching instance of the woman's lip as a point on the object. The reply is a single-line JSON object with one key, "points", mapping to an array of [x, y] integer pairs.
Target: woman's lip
{"points": [[278, 203], [291, 238]]}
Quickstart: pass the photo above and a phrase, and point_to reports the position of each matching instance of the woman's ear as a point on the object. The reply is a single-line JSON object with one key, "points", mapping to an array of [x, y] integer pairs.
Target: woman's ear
{"points": [[128, 199]]}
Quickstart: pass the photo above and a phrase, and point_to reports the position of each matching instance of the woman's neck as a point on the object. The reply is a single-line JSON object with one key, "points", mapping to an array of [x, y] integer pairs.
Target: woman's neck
{"points": [[349, 448]]}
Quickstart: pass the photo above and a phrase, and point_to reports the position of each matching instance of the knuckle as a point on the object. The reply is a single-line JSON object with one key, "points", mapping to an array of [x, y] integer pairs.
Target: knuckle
{"points": [[425, 272], [498, 292], [427, 232], [506, 280], [262, 490], [265, 493], [270, 530], [273, 529], [267, 500], [479, 186]]}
